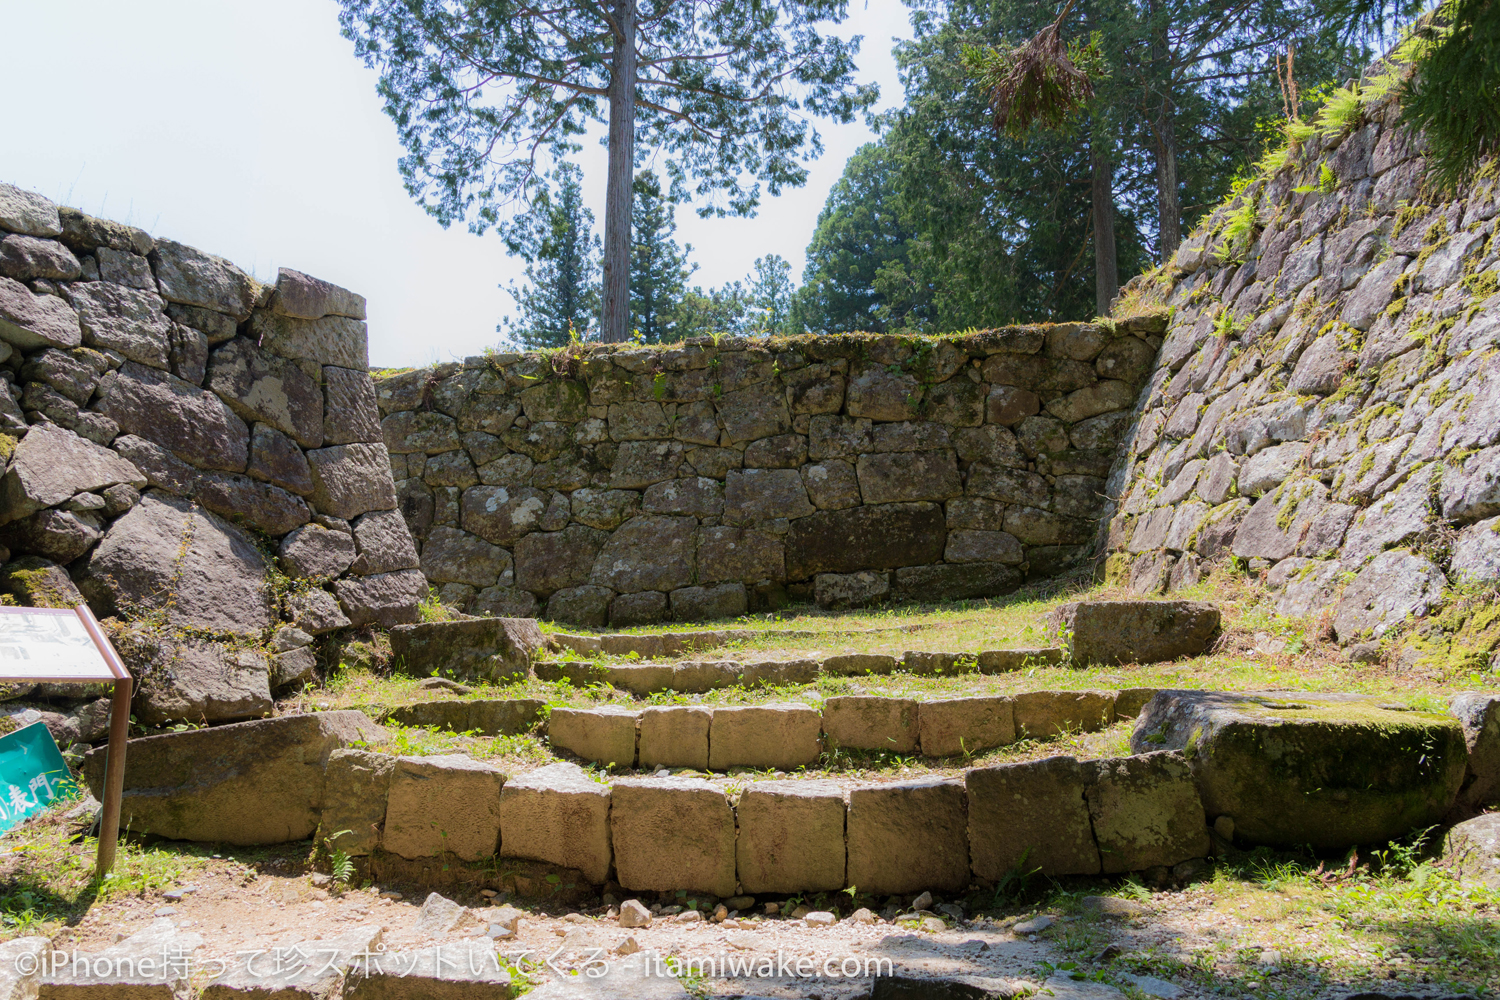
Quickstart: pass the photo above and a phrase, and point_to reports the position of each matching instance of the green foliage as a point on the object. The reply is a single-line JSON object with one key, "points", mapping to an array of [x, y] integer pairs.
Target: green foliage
{"points": [[658, 266], [1341, 111], [1454, 92], [1239, 230], [483, 92], [770, 296], [559, 303]]}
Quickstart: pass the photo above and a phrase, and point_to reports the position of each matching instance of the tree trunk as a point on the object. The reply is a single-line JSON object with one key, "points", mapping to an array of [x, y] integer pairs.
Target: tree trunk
{"points": [[1168, 205], [1106, 264], [614, 313]]}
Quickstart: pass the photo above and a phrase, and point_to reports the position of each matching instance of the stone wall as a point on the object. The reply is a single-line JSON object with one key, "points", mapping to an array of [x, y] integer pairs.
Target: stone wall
{"points": [[199, 454], [700, 480], [1324, 407]]}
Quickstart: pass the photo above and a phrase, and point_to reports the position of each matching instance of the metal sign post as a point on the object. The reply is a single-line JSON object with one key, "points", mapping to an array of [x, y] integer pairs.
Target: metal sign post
{"points": [[61, 645]]}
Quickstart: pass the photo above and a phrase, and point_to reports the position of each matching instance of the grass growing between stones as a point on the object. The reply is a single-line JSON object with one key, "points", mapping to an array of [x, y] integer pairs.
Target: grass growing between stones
{"points": [[1280, 925]]}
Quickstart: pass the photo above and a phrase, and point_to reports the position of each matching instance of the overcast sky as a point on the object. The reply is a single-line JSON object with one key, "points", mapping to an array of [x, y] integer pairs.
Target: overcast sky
{"points": [[249, 130]]}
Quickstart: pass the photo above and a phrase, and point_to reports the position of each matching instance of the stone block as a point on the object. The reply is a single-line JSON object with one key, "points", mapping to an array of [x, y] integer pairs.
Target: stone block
{"points": [[955, 582], [871, 722], [51, 464], [954, 726], [1107, 633], [557, 814], [313, 552], [189, 679], [260, 386], [447, 803], [485, 648], [791, 837], [674, 737], [856, 664], [355, 786], [1040, 714], [673, 833], [28, 213], [929, 663], [604, 735], [30, 321], [1031, 816], [908, 837], [129, 322], [761, 736], [1296, 769], [192, 277], [586, 605], [698, 676], [302, 296], [350, 479], [216, 582], [1002, 661], [350, 412], [1472, 849], [639, 678], [650, 552], [194, 425], [255, 782], [769, 673], [385, 599], [1146, 812], [840, 591], [137, 968], [898, 477], [318, 977], [724, 600], [332, 340], [883, 536], [1478, 712]]}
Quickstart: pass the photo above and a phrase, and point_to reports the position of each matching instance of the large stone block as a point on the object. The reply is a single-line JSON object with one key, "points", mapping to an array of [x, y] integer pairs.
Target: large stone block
{"points": [[30, 321], [1325, 770], [333, 340], [350, 411], [1146, 812], [442, 804], [302, 296], [651, 552], [165, 553], [38, 583], [488, 717], [1396, 586], [478, 648], [1031, 816], [1041, 714], [674, 737], [58, 535], [449, 970], [673, 833], [791, 837], [955, 582], [604, 735], [1479, 714], [548, 561], [28, 213], [383, 543], [724, 600], [260, 386], [1113, 632], [897, 477], [144, 966], [761, 736], [764, 494], [450, 555], [255, 782], [879, 537], [871, 722], [314, 552], [908, 837], [128, 321], [954, 726], [355, 787], [189, 679], [1472, 849], [195, 278], [385, 599], [350, 479], [639, 678], [196, 426], [560, 815]]}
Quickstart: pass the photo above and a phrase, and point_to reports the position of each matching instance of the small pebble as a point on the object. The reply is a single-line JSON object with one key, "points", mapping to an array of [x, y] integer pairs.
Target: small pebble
{"points": [[1035, 925], [165, 911], [822, 918]]}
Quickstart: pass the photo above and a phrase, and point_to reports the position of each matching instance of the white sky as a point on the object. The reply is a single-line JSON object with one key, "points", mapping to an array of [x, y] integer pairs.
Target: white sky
{"points": [[249, 130]]}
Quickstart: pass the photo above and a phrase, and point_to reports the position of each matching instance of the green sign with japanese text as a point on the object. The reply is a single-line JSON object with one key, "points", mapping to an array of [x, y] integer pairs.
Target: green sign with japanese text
{"points": [[32, 774]]}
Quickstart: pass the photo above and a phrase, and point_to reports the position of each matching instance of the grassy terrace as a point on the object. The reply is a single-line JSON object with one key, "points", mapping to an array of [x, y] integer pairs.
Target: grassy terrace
{"points": [[1257, 650]]}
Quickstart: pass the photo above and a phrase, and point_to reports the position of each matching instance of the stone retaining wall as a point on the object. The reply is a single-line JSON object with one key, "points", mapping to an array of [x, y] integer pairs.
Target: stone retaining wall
{"points": [[630, 485], [1324, 404], [1348, 770], [198, 453]]}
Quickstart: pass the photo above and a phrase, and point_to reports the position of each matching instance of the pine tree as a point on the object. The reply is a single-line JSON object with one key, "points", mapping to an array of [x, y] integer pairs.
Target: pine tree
{"points": [[482, 91], [770, 296], [560, 301], [658, 266]]}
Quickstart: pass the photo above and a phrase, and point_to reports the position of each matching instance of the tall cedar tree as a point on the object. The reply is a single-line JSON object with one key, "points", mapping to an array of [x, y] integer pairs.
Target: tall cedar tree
{"points": [[771, 296], [1004, 226], [862, 233], [658, 266], [481, 89], [557, 241]]}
